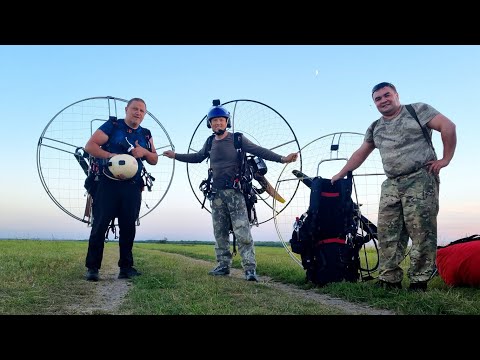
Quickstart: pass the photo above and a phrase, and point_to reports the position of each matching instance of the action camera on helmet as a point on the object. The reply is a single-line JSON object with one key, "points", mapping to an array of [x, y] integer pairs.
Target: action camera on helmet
{"points": [[218, 111]]}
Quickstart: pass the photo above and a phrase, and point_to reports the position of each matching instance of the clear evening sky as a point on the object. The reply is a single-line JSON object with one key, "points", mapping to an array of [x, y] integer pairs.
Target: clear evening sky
{"points": [[318, 89]]}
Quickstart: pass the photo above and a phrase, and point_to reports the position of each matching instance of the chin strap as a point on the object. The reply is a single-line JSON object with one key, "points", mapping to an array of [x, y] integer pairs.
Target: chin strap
{"points": [[220, 132], [110, 177]]}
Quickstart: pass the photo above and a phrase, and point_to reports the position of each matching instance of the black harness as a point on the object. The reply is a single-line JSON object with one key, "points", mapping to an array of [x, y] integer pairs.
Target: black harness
{"points": [[242, 181]]}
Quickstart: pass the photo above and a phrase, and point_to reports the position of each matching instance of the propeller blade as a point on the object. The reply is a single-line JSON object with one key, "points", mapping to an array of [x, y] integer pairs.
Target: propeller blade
{"points": [[307, 180], [268, 188]]}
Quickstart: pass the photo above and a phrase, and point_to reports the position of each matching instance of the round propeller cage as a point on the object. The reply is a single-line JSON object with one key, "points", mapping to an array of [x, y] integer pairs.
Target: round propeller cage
{"points": [[63, 164], [265, 127]]}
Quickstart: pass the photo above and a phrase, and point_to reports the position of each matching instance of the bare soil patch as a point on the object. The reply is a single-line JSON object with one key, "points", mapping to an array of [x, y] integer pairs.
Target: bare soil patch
{"points": [[310, 294], [106, 295]]}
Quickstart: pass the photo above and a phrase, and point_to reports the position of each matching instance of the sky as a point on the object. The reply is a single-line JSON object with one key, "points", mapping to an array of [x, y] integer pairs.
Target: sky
{"points": [[318, 89]]}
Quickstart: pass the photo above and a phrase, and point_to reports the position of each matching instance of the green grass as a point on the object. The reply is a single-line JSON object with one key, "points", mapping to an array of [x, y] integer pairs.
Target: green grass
{"points": [[36, 277], [47, 277], [176, 285]]}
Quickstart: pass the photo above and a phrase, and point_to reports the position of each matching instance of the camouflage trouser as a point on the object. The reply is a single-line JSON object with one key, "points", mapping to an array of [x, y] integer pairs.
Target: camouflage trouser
{"points": [[229, 205], [408, 208]]}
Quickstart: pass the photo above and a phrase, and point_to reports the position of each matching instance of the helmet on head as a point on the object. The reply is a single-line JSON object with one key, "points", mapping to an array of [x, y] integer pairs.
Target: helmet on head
{"points": [[218, 111], [121, 167]]}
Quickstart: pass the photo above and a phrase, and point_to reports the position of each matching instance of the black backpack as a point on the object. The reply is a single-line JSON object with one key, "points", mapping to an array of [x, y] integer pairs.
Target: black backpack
{"points": [[326, 235]]}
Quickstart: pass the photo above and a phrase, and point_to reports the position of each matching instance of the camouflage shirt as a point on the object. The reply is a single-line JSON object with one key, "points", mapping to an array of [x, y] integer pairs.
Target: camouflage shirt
{"points": [[402, 145]]}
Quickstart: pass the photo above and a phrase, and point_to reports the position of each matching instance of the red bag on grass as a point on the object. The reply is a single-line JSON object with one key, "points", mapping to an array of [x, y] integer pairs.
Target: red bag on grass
{"points": [[458, 263]]}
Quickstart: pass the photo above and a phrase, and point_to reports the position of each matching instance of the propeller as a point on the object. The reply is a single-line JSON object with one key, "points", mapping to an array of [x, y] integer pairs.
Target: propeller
{"points": [[259, 171], [307, 180], [268, 188]]}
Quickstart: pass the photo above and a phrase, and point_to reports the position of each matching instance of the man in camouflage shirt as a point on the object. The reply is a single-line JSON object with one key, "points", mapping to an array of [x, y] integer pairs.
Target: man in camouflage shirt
{"points": [[409, 199]]}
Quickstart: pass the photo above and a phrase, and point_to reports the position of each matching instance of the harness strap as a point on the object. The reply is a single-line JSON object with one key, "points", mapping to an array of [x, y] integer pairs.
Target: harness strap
{"points": [[111, 228], [206, 187], [462, 240], [234, 240], [331, 240], [148, 179]]}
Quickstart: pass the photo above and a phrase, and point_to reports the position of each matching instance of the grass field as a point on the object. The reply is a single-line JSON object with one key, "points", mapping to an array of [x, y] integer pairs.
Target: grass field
{"points": [[47, 278]]}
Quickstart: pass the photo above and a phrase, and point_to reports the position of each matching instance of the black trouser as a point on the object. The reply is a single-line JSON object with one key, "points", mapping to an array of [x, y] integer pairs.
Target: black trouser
{"points": [[114, 199]]}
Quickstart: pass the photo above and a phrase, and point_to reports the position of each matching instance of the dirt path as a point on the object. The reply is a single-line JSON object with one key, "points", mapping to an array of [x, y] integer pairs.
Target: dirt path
{"points": [[311, 294], [106, 295]]}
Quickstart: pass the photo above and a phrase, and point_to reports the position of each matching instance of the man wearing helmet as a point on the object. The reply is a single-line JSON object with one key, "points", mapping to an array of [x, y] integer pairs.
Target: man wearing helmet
{"points": [[228, 207], [119, 193]]}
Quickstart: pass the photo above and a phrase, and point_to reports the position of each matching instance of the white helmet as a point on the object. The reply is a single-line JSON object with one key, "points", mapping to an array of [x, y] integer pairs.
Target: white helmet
{"points": [[122, 167]]}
